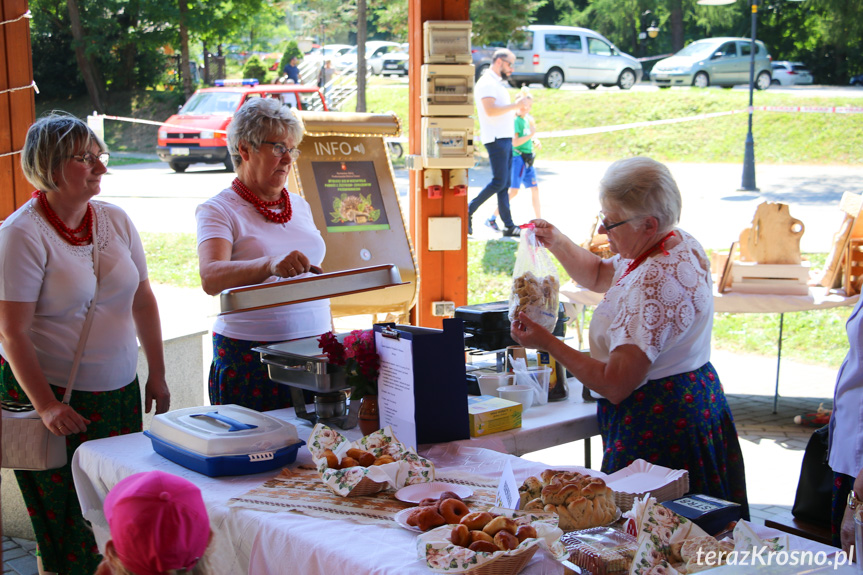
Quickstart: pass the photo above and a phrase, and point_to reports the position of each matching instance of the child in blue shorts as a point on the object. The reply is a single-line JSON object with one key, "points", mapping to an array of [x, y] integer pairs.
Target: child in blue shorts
{"points": [[523, 146]]}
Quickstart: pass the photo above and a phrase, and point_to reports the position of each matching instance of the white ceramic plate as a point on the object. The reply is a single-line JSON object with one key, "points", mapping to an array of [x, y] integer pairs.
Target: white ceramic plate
{"points": [[402, 517], [419, 491]]}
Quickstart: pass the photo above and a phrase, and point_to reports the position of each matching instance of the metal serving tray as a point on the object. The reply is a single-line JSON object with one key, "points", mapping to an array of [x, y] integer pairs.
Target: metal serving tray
{"points": [[301, 363], [274, 294]]}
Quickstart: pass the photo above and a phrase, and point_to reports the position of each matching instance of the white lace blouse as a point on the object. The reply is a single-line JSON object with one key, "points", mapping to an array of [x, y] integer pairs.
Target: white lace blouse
{"points": [[664, 306]]}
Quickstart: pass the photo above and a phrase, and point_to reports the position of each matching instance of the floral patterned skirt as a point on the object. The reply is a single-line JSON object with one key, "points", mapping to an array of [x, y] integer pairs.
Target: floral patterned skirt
{"points": [[680, 422], [66, 542], [237, 376]]}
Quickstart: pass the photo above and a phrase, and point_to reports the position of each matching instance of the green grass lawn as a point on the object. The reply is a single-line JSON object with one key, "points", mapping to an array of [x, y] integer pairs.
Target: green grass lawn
{"points": [[792, 138]]}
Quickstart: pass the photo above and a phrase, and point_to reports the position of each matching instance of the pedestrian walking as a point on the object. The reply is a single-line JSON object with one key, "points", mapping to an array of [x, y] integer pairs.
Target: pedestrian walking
{"points": [[524, 146], [496, 126]]}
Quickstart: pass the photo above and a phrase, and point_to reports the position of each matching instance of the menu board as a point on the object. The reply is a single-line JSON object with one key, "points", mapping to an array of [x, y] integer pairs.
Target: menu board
{"points": [[350, 196]]}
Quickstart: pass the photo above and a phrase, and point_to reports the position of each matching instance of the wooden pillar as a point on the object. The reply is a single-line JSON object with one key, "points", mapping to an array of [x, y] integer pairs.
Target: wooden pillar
{"points": [[442, 274], [17, 107]]}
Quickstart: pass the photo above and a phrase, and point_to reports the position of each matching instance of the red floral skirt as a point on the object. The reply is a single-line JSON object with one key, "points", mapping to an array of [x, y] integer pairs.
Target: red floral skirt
{"points": [[680, 422]]}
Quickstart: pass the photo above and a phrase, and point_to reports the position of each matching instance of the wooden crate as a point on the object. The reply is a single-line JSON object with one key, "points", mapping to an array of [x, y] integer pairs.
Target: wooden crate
{"points": [[853, 266], [783, 279]]}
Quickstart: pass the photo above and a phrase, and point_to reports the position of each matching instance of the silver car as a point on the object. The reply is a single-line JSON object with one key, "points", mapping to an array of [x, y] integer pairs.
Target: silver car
{"points": [[714, 62], [557, 54]]}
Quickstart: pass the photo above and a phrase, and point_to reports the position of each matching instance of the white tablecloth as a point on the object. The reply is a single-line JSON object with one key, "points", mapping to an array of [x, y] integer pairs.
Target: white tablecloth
{"points": [[257, 542], [730, 302]]}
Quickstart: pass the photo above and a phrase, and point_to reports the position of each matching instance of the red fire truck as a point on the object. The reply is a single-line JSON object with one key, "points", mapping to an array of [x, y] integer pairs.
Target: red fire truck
{"points": [[196, 134]]}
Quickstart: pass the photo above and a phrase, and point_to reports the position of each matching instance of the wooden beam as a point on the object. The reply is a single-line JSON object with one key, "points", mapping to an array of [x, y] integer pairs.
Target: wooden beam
{"points": [[442, 274], [17, 106]]}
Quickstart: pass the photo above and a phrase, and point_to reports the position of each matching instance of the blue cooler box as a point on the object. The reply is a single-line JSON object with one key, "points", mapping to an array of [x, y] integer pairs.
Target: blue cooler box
{"points": [[224, 440]]}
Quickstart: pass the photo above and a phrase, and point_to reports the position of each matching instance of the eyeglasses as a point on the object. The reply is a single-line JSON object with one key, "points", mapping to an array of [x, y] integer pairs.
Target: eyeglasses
{"points": [[608, 227], [280, 150], [90, 159]]}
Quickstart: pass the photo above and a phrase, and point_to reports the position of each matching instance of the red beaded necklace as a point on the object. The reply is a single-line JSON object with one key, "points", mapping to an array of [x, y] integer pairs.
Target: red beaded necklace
{"points": [[262, 206], [65, 231], [660, 245]]}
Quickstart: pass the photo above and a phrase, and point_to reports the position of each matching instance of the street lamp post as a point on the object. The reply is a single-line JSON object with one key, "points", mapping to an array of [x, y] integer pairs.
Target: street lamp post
{"points": [[748, 182]]}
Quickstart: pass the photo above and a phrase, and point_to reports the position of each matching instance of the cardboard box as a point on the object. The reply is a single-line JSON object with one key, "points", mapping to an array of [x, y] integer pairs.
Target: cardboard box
{"points": [[490, 414]]}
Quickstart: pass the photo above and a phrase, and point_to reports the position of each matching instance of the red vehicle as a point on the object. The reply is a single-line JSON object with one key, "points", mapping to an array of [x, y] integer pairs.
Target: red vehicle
{"points": [[197, 132]]}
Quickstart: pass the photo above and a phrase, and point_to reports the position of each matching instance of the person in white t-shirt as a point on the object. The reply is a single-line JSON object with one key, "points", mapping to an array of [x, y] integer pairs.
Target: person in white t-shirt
{"points": [[255, 232], [47, 285], [659, 397], [496, 129]]}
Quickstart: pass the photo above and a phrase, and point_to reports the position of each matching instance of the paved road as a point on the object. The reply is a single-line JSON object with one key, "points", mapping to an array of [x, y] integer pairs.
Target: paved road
{"points": [[160, 200]]}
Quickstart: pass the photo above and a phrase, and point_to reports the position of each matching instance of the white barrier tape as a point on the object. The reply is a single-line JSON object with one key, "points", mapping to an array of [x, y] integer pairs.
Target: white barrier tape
{"points": [[603, 129], [152, 123], [813, 109], [800, 109]]}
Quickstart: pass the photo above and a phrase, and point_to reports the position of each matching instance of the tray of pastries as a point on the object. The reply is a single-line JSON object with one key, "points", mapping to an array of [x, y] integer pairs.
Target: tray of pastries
{"points": [[581, 501]]}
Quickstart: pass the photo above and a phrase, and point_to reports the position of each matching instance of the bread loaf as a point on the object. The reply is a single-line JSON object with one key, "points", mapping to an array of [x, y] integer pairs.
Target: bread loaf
{"points": [[580, 501]]}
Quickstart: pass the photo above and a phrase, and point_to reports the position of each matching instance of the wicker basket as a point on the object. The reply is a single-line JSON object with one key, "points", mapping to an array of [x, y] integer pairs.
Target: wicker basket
{"points": [[366, 487], [506, 564]]}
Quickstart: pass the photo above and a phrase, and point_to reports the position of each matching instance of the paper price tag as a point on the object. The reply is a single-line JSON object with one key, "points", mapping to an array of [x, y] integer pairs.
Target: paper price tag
{"points": [[507, 490]]}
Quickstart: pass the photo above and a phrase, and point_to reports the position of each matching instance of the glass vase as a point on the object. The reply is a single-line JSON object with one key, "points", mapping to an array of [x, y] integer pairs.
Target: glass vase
{"points": [[368, 417]]}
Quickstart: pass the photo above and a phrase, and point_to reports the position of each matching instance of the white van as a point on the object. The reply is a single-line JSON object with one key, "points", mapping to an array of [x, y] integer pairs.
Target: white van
{"points": [[553, 55]]}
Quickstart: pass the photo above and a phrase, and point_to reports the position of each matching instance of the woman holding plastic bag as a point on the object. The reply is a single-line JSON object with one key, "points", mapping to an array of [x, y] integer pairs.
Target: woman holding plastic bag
{"points": [[659, 398]]}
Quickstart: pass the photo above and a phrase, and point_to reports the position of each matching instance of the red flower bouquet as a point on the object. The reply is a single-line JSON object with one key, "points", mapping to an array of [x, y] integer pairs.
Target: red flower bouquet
{"points": [[357, 353]]}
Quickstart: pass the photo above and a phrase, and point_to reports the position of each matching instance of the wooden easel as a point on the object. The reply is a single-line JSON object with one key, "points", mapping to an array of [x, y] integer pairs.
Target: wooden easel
{"points": [[845, 255]]}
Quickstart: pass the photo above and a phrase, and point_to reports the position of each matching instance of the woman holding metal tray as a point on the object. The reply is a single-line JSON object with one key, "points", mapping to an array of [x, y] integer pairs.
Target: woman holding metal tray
{"points": [[659, 397], [255, 232]]}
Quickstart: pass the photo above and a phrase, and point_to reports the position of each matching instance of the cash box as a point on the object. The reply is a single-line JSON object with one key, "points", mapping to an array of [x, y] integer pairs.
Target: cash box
{"points": [[224, 440], [710, 513]]}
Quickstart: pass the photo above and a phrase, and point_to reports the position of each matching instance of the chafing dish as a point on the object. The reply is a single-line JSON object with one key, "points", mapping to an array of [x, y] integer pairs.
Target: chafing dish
{"points": [[301, 364]]}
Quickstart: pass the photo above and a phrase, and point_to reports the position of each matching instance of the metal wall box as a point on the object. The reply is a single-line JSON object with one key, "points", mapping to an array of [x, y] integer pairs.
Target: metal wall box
{"points": [[446, 42], [447, 89], [447, 142]]}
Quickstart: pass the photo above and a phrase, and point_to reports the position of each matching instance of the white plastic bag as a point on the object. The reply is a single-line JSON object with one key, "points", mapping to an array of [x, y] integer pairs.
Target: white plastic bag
{"points": [[535, 283]]}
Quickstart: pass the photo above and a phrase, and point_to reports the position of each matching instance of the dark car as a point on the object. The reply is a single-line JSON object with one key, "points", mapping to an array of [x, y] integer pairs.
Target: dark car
{"points": [[857, 80]]}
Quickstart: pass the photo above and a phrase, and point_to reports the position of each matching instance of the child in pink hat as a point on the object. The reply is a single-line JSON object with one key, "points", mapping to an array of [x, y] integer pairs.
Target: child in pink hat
{"points": [[159, 526]]}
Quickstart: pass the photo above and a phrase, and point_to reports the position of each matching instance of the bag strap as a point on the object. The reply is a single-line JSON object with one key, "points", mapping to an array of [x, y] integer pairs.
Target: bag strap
{"points": [[88, 321]]}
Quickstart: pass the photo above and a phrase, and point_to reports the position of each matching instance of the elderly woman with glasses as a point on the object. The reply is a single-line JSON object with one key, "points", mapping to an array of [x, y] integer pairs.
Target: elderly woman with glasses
{"points": [[659, 398], [49, 250], [255, 232]]}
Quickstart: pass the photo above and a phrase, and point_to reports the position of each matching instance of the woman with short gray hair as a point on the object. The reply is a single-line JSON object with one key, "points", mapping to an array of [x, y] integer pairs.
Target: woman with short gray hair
{"points": [[255, 232], [49, 251], [659, 398]]}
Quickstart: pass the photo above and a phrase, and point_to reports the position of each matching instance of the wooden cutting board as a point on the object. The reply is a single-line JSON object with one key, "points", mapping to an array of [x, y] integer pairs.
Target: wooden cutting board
{"points": [[774, 237]]}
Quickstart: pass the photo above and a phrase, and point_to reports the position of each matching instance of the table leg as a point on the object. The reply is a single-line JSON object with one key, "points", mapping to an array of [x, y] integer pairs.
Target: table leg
{"points": [[778, 362], [586, 452]]}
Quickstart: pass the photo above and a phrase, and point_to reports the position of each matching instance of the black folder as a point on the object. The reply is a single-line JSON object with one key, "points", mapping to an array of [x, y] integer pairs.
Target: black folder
{"points": [[440, 393]]}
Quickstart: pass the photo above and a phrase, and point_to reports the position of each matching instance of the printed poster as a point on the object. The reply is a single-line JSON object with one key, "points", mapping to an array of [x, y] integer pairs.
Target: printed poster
{"points": [[350, 196]]}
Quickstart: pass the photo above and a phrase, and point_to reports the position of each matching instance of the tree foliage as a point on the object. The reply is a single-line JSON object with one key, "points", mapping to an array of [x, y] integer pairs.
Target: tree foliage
{"points": [[495, 20]]}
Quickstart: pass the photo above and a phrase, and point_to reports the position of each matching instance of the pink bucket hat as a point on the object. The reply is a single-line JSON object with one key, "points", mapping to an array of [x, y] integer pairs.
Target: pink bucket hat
{"points": [[158, 522]]}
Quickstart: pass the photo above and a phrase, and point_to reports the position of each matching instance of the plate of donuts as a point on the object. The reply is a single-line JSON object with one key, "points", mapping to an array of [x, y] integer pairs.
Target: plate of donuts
{"points": [[431, 490], [401, 518]]}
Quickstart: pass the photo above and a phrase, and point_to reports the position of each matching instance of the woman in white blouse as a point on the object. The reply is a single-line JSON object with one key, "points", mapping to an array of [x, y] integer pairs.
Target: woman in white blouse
{"points": [[254, 232], [659, 398], [47, 285]]}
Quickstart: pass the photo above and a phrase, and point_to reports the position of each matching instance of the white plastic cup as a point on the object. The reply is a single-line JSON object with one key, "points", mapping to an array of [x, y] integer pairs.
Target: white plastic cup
{"points": [[540, 375], [489, 382], [522, 394]]}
